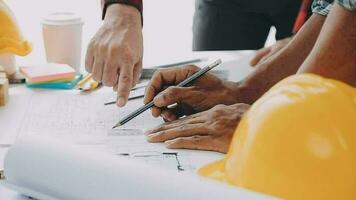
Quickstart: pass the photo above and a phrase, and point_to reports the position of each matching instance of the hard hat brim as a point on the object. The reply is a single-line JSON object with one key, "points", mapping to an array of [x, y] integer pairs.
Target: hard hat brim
{"points": [[215, 170], [21, 48]]}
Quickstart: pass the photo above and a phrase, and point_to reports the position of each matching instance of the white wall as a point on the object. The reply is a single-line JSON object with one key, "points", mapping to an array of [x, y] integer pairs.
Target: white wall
{"points": [[167, 24]]}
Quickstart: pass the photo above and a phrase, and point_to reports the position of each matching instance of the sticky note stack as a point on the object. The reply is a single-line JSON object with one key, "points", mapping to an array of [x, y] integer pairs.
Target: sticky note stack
{"points": [[50, 76], [4, 87]]}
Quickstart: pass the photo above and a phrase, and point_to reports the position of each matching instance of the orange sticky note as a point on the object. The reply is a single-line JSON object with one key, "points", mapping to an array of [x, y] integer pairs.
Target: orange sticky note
{"points": [[47, 72]]}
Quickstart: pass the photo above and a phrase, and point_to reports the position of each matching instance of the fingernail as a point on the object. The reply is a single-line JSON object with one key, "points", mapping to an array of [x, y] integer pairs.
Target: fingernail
{"points": [[150, 137], [154, 137], [148, 131], [121, 102]]}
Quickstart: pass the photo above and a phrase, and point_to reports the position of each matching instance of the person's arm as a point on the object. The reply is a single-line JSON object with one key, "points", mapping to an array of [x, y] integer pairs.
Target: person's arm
{"points": [[282, 64], [263, 54], [334, 54], [114, 55]]}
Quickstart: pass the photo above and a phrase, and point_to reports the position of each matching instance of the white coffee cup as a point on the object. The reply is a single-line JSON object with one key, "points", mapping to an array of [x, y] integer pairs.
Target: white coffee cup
{"points": [[62, 35]]}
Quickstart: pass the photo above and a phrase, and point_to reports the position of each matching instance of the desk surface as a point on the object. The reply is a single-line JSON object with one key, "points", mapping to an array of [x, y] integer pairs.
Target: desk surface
{"points": [[236, 62]]}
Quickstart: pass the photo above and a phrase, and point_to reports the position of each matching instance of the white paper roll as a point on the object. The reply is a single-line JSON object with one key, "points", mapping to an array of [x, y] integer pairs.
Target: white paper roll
{"points": [[48, 169]]}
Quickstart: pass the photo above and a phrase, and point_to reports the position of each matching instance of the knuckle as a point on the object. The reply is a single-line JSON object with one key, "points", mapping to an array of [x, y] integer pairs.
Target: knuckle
{"points": [[114, 48], [157, 73], [171, 90], [215, 114], [192, 68], [179, 141], [154, 76], [195, 139], [102, 48], [165, 97], [108, 82], [162, 135], [149, 91], [184, 127], [217, 111], [219, 107], [126, 55], [125, 78], [218, 125], [173, 93]]}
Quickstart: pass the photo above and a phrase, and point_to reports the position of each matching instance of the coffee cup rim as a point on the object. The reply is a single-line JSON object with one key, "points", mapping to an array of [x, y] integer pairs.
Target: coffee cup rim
{"points": [[62, 18]]}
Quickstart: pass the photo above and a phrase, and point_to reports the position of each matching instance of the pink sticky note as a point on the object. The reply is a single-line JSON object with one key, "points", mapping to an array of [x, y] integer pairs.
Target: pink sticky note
{"points": [[47, 72]]}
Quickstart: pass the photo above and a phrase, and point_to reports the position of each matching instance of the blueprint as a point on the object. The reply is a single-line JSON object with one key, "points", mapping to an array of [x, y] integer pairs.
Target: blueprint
{"points": [[84, 119]]}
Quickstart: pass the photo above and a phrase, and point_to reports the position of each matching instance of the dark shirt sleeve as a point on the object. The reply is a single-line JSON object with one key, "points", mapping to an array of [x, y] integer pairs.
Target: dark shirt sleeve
{"points": [[135, 3]]}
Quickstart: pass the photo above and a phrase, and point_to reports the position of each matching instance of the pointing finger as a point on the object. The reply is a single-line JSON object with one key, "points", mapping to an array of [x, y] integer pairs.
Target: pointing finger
{"points": [[125, 83]]}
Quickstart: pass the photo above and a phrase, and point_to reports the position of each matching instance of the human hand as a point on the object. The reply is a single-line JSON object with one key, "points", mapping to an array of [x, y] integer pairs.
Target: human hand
{"points": [[203, 94], [114, 55], [209, 130], [263, 54]]}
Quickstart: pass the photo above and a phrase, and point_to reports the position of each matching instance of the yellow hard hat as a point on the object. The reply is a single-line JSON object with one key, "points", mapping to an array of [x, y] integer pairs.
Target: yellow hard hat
{"points": [[11, 40], [298, 141]]}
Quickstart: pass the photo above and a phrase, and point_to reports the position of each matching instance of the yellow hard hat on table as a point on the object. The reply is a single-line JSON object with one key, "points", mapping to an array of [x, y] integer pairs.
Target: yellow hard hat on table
{"points": [[298, 141], [11, 40]]}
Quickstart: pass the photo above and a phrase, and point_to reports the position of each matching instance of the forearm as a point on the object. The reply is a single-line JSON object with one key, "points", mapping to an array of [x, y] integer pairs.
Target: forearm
{"points": [[114, 54], [282, 64], [334, 54]]}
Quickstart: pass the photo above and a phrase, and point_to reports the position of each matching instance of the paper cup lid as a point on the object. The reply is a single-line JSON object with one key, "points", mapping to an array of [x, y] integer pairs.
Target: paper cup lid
{"points": [[62, 18]]}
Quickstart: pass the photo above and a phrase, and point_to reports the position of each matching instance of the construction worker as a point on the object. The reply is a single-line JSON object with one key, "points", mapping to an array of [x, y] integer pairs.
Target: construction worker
{"points": [[114, 55], [324, 46]]}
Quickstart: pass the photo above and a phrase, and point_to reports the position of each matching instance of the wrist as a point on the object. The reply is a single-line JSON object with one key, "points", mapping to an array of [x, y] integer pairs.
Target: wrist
{"points": [[246, 92], [124, 13], [232, 93]]}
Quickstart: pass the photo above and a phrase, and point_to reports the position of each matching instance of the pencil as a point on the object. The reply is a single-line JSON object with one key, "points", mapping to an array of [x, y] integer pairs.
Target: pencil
{"points": [[84, 80], [180, 63], [130, 98], [91, 87], [184, 83]]}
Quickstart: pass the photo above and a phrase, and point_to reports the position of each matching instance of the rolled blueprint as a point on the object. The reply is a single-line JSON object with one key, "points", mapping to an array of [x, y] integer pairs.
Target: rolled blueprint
{"points": [[44, 168]]}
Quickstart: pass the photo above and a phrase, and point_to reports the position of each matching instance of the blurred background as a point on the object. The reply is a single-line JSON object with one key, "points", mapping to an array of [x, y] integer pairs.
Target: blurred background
{"points": [[167, 26]]}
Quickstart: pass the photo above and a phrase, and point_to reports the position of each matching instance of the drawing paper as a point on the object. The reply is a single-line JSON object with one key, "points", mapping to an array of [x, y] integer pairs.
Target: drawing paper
{"points": [[48, 169]]}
